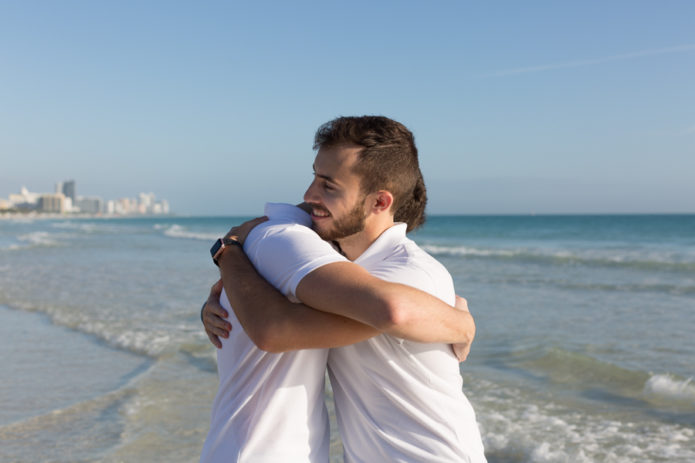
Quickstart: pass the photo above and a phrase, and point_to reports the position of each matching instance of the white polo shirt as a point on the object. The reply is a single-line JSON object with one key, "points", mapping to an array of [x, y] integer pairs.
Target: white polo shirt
{"points": [[402, 401], [270, 408]]}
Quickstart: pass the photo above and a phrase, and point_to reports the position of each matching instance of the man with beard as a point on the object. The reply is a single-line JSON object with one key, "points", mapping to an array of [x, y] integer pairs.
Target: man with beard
{"points": [[398, 394]]}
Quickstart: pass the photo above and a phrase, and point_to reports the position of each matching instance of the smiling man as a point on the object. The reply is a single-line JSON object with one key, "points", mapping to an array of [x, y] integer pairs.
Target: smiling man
{"points": [[398, 391]]}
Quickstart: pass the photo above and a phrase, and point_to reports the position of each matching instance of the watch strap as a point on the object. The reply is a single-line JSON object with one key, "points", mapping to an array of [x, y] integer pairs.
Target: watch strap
{"points": [[224, 243]]}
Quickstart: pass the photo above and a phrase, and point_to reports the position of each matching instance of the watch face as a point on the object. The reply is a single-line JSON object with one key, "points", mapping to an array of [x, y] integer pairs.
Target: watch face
{"points": [[215, 247]]}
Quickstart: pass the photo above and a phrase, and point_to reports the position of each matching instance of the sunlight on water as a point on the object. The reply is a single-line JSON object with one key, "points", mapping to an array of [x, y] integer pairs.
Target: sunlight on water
{"points": [[580, 353]]}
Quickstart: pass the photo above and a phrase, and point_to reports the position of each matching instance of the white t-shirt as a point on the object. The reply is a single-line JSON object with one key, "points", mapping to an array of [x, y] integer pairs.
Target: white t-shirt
{"points": [[402, 401], [270, 407]]}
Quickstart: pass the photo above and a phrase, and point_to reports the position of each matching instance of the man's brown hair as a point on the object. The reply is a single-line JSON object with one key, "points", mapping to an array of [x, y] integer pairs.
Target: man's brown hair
{"points": [[388, 161]]}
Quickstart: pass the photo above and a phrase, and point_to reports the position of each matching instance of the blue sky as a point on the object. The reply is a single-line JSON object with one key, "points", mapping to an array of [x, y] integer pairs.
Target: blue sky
{"points": [[517, 107]]}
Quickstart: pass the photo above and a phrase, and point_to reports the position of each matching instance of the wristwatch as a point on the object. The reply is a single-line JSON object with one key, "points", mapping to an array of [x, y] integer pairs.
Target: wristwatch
{"points": [[221, 243]]}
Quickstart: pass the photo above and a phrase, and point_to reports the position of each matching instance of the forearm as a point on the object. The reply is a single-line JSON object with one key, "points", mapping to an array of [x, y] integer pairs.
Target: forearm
{"points": [[348, 290], [274, 323], [424, 318]]}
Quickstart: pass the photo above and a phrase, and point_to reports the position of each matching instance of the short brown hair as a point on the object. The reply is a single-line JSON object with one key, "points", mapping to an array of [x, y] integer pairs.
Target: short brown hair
{"points": [[388, 161]]}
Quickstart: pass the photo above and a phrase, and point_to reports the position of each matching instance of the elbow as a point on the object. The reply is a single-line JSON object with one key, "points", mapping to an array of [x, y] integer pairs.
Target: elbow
{"points": [[266, 341], [262, 339], [395, 315], [263, 343]]}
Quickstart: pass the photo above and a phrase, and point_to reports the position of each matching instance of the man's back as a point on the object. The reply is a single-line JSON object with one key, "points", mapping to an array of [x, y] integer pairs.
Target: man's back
{"points": [[270, 407], [398, 400]]}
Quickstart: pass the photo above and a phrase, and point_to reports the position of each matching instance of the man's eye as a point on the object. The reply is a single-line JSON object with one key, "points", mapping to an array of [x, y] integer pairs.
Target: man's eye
{"points": [[327, 187]]}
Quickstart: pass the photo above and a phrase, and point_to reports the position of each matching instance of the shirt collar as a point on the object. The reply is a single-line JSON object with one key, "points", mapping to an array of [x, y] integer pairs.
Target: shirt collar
{"points": [[384, 244], [282, 211]]}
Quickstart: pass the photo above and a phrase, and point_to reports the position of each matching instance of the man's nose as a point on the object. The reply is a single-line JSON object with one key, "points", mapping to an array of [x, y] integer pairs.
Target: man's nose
{"points": [[310, 193]]}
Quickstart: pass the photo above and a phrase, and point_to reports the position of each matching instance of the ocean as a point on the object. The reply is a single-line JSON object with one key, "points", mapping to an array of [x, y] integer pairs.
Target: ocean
{"points": [[584, 349]]}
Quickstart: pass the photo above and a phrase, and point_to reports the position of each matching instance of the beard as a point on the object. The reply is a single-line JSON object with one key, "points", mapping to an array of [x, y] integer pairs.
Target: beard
{"points": [[352, 223]]}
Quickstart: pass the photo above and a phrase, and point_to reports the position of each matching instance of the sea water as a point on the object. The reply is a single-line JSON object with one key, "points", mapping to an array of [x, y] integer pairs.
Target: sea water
{"points": [[584, 349]]}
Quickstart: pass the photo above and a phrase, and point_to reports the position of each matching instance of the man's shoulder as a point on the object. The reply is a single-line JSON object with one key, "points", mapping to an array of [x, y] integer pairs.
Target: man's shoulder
{"points": [[284, 253], [278, 241], [410, 253], [280, 228], [409, 264]]}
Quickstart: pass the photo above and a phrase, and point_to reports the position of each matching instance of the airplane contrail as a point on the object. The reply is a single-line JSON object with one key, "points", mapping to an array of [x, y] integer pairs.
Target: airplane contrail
{"points": [[588, 62]]}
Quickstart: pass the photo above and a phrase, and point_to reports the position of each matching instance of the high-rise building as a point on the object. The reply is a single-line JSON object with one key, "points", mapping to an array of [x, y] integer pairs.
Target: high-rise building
{"points": [[25, 200], [90, 205], [52, 202], [69, 190]]}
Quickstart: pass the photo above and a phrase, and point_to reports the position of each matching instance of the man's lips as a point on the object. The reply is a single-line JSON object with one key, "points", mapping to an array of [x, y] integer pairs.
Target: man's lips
{"points": [[320, 213]]}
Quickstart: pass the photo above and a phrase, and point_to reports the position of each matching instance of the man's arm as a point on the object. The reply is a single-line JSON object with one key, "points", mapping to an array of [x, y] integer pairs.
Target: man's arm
{"points": [[216, 326], [346, 289], [343, 289], [273, 322]]}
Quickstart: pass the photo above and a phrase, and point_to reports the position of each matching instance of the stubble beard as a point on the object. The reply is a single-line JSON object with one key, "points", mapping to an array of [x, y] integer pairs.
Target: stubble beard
{"points": [[352, 223]]}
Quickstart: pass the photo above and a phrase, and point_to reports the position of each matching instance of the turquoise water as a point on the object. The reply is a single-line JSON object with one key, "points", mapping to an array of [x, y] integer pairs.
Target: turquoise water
{"points": [[583, 352]]}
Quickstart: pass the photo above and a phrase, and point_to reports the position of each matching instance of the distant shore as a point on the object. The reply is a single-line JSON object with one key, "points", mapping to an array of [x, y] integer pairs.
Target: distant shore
{"points": [[54, 215]]}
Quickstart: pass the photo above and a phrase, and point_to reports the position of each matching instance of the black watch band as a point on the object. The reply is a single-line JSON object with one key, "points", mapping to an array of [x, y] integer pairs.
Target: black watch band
{"points": [[220, 244]]}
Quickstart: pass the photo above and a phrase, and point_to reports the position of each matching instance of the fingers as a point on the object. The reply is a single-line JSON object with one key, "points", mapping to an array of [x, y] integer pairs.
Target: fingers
{"points": [[214, 340], [214, 316], [216, 328], [461, 304], [216, 289], [461, 351], [240, 232], [214, 310], [212, 306], [216, 332], [214, 319]]}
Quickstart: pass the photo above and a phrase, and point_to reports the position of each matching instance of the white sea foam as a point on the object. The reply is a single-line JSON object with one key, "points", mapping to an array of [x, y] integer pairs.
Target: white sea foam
{"points": [[605, 257], [517, 427], [177, 231], [152, 342], [13, 247], [87, 227], [19, 219], [467, 251], [71, 225], [38, 238], [668, 388], [147, 342]]}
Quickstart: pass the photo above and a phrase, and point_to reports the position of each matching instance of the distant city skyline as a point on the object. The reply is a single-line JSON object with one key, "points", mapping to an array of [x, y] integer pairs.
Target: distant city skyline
{"points": [[65, 200], [517, 108]]}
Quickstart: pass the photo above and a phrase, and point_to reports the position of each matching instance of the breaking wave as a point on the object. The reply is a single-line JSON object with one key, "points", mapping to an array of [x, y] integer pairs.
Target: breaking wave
{"points": [[178, 231], [609, 258]]}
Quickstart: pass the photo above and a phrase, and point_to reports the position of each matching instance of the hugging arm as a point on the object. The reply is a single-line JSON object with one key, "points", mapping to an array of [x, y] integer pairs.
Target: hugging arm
{"points": [[346, 289], [362, 306], [273, 322]]}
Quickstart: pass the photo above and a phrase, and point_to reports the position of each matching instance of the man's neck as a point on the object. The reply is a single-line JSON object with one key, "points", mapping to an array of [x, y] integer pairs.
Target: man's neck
{"points": [[354, 245]]}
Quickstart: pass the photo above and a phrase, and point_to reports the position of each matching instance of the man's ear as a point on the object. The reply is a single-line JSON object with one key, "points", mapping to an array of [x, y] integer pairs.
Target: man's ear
{"points": [[383, 201]]}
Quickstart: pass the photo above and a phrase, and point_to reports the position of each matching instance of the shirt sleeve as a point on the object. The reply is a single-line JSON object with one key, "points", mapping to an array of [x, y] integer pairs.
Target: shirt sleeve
{"points": [[285, 254]]}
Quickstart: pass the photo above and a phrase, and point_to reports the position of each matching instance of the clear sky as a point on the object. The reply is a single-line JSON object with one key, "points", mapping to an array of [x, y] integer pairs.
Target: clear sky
{"points": [[517, 107]]}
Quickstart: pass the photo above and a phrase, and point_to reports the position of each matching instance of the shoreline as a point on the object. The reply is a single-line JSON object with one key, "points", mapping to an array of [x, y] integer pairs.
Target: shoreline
{"points": [[82, 368], [53, 215]]}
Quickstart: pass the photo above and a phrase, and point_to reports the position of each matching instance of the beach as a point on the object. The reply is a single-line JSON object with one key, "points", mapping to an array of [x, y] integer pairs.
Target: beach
{"points": [[583, 350]]}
